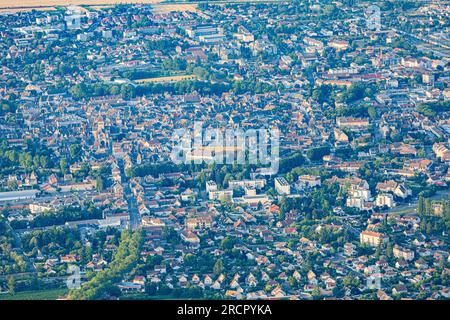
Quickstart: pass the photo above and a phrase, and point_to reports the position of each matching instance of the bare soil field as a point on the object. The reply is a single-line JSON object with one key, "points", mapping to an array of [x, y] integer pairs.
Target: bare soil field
{"points": [[14, 10], [164, 8], [167, 79]]}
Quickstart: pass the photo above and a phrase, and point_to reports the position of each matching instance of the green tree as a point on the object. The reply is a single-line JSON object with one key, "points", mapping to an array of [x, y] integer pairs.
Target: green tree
{"points": [[100, 184], [227, 244], [316, 293], [74, 150], [11, 286], [421, 206], [218, 267], [63, 165], [389, 250]]}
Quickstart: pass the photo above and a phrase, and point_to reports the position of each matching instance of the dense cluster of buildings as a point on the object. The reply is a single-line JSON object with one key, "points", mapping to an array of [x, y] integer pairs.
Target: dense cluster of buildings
{"points": [[89, 115]]}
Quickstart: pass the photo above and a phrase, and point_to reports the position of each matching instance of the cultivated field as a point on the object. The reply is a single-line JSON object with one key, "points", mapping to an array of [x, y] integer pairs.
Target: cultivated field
{"points": [[51, 3], [159, 6]]}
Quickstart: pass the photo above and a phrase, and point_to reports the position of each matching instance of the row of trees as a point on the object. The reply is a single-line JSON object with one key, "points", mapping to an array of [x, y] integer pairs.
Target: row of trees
{"points": [[356, 92], [61, 216], [56, 239], [432, 109], [316, 154], [210, 84], [33, 157], [152, 169], [125, 259], [316, 204], [435, 215], [12, 262]]}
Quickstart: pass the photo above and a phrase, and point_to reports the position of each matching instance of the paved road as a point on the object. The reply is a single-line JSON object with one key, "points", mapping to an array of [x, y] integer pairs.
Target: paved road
{"points": [[135, 219]]}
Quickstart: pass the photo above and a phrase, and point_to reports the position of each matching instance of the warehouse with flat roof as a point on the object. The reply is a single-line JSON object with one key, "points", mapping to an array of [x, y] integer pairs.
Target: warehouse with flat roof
{"points": [[18, 195]]}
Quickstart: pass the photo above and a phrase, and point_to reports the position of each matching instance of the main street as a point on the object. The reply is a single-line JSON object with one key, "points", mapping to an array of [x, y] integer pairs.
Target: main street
{"points": [[135, 219]]}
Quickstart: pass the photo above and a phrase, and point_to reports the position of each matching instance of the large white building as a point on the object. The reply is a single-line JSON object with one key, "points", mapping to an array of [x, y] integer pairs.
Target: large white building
{"points": [[358, 196], [372, 238], [206, 33], [282, 186], [211, 186], [256, 183], [400, 252], [308, 181], [221, 195], [36, 208], [252, 199], [385, 200]]}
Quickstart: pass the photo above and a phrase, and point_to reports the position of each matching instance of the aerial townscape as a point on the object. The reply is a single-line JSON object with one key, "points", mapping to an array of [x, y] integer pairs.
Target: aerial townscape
{"points": [[94, 100]]}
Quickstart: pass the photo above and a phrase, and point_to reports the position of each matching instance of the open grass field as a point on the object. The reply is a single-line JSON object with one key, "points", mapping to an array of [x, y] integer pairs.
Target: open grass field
{"points": [[35, 295], [167, 79]]}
